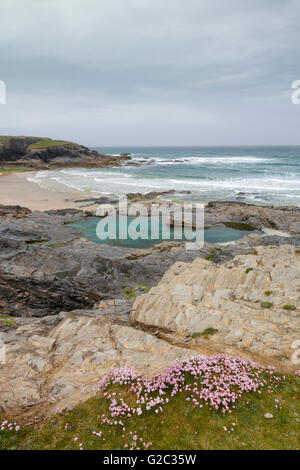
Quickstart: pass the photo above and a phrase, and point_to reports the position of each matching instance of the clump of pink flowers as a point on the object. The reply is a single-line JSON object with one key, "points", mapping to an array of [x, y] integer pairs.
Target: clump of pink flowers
{"points": [[121, 376], [217, 381], [7, 426], [278, 404]]}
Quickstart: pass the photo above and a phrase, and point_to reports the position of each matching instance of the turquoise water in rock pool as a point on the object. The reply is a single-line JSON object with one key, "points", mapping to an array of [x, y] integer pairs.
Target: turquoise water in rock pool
{"points": [[218, 234]]}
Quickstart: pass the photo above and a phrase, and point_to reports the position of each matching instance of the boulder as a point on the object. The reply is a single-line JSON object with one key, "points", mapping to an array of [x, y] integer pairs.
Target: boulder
{"points": [[17, 212], [240, 302], [278, 218], [64, 367]]}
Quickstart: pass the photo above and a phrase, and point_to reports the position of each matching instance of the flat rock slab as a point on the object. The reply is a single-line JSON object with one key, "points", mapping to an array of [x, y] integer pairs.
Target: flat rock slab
{"points": [[59, 370], [240, 301], [42, 342]]}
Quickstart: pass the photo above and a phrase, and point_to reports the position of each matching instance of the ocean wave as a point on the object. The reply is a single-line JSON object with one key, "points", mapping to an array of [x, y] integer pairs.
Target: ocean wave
{"points": [[62, 181], [224, 182], [117, 183], [205, 160]]}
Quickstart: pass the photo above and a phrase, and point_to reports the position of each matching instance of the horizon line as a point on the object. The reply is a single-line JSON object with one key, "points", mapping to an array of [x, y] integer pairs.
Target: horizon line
{"points": [[197, 146]]}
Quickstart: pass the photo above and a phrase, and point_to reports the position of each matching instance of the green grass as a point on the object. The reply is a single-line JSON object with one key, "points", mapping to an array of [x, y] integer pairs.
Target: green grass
{"points": [[6, 320], [34, 242], [13, 170], [266, 304], [5, 140], [213, 254], [248, 270], [268, 293], [129, 293], [289, 307], [47, 143], [179, 426], [205, 333], [60, 244], [40, 144]]}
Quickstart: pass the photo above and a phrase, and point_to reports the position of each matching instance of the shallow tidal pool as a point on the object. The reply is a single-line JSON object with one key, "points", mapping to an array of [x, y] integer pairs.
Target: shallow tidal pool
{"points": [[89, 229]]}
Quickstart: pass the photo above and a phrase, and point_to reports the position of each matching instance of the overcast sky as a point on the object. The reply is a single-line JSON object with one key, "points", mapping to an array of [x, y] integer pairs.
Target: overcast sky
{"points": [[151, 72]]}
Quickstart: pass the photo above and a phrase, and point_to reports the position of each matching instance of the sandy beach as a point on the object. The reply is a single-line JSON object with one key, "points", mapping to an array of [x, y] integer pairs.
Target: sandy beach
{"points": [[15, 189]]}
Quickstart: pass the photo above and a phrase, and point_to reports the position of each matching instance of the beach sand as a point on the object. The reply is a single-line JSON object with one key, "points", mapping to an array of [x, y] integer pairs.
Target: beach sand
{"points": [[15, 189]]}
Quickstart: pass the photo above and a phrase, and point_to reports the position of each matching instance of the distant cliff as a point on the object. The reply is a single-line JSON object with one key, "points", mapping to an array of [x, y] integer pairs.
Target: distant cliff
{"points": [[44, 153]]}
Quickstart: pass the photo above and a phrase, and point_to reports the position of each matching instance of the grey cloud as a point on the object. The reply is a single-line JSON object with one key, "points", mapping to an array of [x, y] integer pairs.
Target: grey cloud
{"points": [[84, 68]]}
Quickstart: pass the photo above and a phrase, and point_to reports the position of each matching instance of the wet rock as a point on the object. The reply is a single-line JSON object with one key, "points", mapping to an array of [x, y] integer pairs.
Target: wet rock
{"points": [[45, 267], [279, 218], [17, 212]]}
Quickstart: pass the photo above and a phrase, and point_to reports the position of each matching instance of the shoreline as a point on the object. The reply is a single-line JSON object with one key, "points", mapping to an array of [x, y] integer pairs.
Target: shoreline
{"points": [[15, 189]]}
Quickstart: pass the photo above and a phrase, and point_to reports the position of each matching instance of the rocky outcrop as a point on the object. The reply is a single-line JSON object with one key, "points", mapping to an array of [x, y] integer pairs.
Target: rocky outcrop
{"points": [[242, 216], [153, 195], [58, 369], [251, 302], [17, 212], [56, 361], [46, 267], [40, 294], [286, 219], [44, 153], [69, 321], [42, 281]]}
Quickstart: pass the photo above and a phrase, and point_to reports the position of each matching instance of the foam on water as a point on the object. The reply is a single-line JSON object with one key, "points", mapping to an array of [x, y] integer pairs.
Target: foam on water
{"points": [[207, 160], [262, 174]]}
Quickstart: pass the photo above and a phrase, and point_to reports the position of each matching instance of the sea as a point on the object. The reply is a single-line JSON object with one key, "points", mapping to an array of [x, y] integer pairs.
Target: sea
{"points": [[257, 175]]}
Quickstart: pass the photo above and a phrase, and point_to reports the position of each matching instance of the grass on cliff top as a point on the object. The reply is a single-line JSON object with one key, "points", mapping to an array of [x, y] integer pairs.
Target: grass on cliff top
{"points": [[13, 170], [178, 427], [5, 140], [47, 143]]}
